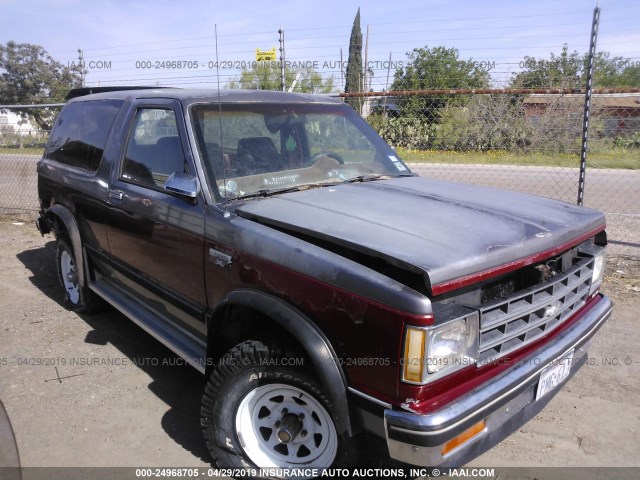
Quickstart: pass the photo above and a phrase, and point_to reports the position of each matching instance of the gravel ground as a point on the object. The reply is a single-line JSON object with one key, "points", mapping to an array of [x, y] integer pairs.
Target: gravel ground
{"points": [[85, 390]]}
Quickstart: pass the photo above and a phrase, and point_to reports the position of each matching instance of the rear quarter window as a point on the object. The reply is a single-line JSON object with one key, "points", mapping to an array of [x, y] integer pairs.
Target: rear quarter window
{"points": [[80, 133]]}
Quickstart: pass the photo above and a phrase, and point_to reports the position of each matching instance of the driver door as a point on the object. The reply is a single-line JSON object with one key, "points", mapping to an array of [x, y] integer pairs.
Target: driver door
{"points": [[156, 238]]}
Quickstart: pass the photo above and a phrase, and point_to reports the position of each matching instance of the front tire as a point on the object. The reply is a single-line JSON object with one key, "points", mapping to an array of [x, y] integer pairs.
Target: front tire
{"points": [[258, 414]]}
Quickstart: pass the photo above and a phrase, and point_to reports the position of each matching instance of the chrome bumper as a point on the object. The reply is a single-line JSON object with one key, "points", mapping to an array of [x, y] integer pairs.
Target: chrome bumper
{"points": [[506, 403]]}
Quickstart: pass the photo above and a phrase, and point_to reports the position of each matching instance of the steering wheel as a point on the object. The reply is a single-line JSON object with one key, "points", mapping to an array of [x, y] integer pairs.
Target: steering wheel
{"points": [[329, 154]]}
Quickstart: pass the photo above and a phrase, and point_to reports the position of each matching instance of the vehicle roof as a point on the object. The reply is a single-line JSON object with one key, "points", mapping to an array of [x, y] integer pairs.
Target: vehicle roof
{"points": [[193, 95]]}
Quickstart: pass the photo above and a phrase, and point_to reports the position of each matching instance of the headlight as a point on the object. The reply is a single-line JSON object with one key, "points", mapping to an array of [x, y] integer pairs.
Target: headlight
{"points": [[598, 271], [433, 352]]}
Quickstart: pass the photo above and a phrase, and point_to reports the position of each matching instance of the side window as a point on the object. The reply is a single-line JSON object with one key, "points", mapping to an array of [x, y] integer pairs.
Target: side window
{"points": [[154, 150], [80, 133]]}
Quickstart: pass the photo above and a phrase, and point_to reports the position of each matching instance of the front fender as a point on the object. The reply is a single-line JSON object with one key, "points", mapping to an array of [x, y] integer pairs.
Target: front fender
{"points": [[314, 342]]}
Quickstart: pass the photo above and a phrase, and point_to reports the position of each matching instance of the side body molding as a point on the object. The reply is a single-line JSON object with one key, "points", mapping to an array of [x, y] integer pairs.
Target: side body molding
{"points": [[316, 345]]}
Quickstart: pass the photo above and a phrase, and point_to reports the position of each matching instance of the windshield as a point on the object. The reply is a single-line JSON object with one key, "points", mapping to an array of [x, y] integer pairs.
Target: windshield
{"points": [[259, 149]]}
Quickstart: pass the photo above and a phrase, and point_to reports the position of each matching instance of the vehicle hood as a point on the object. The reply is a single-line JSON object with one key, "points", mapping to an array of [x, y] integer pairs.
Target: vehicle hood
{"points": [[445, 230]]}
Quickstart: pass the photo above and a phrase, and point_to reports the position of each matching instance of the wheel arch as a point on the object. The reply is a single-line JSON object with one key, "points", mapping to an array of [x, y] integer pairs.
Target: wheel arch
{"points": [[298, 326], [57, 214]]}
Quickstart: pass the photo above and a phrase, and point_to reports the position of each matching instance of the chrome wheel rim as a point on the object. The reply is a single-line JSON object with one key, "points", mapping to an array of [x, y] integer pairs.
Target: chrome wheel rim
{"points": [[282, 426]]}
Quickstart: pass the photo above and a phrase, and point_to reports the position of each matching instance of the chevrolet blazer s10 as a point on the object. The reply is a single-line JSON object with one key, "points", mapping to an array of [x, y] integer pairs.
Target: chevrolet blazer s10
{"points": [[326, 292]]}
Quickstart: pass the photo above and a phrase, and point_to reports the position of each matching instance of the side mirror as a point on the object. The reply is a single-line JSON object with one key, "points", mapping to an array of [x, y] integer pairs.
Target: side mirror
{"points": [[182, 184]]}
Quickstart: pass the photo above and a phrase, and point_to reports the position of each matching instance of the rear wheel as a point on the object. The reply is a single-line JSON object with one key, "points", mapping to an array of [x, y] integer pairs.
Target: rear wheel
{"points": [[77, 298], [256, 413]]}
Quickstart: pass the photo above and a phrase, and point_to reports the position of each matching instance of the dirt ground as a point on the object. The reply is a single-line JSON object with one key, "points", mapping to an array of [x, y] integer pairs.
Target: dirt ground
{"points": [[86, 390]]}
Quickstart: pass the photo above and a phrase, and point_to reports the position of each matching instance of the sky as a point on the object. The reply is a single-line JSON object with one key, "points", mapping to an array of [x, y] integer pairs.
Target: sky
{"points": [[144, 42]]}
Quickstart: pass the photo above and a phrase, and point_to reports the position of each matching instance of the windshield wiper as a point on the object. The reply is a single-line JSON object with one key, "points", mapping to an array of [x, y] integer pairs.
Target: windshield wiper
{"points": [[372, 177], [295, 188], [266, 192], [364, 178]]}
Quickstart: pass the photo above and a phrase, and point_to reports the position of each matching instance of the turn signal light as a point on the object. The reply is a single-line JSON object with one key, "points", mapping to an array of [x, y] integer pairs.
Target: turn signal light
{"points": [[413, 368], [465, 436]]}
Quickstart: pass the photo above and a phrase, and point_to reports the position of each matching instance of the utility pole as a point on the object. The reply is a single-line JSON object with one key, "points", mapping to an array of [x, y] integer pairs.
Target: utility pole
{"points": [[386, 89], [295, 82], [341, 70], [81, 61], [386, 85], [365, 111], [282, 60]]}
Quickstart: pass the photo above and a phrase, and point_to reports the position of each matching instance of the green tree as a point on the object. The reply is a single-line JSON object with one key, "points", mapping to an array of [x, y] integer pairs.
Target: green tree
{"points": [[612, 71], [29, 75], [630, 77], [559, 71], [436, 68], [312, 82], [569, 70], [266, 76], [354, 74]]}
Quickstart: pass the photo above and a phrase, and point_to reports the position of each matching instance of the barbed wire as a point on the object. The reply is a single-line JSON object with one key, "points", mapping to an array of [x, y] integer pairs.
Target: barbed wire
{"points": [[322, 46]]}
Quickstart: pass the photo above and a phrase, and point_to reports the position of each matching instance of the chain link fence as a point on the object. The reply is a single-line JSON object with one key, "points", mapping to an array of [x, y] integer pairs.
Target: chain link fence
{"points": [[522, 141], [519, 141], [21, 144]]}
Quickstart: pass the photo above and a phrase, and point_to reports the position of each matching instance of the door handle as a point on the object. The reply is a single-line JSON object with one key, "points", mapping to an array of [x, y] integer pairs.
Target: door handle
{"points": [[116, 194]]}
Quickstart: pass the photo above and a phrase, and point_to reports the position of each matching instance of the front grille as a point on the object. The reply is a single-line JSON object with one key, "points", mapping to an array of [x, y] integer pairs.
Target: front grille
{"points": [[507, 324]]}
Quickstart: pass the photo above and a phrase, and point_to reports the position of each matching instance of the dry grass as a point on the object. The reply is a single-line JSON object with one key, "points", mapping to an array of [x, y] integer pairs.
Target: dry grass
{"points": [[622, 276]]}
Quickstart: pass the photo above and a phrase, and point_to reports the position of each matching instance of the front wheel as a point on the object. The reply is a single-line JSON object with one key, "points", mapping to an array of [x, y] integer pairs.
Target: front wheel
{"points": [[256, 413]]}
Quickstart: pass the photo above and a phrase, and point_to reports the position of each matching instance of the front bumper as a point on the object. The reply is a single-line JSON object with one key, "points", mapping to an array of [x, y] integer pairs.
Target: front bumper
{"points": [[506, 403]]}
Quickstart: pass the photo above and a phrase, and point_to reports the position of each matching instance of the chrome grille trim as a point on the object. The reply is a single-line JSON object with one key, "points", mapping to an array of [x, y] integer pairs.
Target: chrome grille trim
{"points": [[508, 324]]}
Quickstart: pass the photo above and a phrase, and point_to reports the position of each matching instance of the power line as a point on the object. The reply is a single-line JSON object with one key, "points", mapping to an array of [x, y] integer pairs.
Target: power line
{"points": [[423, 21]]}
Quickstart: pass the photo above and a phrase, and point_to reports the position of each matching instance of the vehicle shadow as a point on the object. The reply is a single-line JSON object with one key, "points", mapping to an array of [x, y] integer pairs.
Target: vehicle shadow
{"points": [[174, 382]]}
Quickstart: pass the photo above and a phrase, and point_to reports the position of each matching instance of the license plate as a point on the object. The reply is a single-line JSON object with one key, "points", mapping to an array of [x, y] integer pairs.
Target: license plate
{"points": [[554, 374]]}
